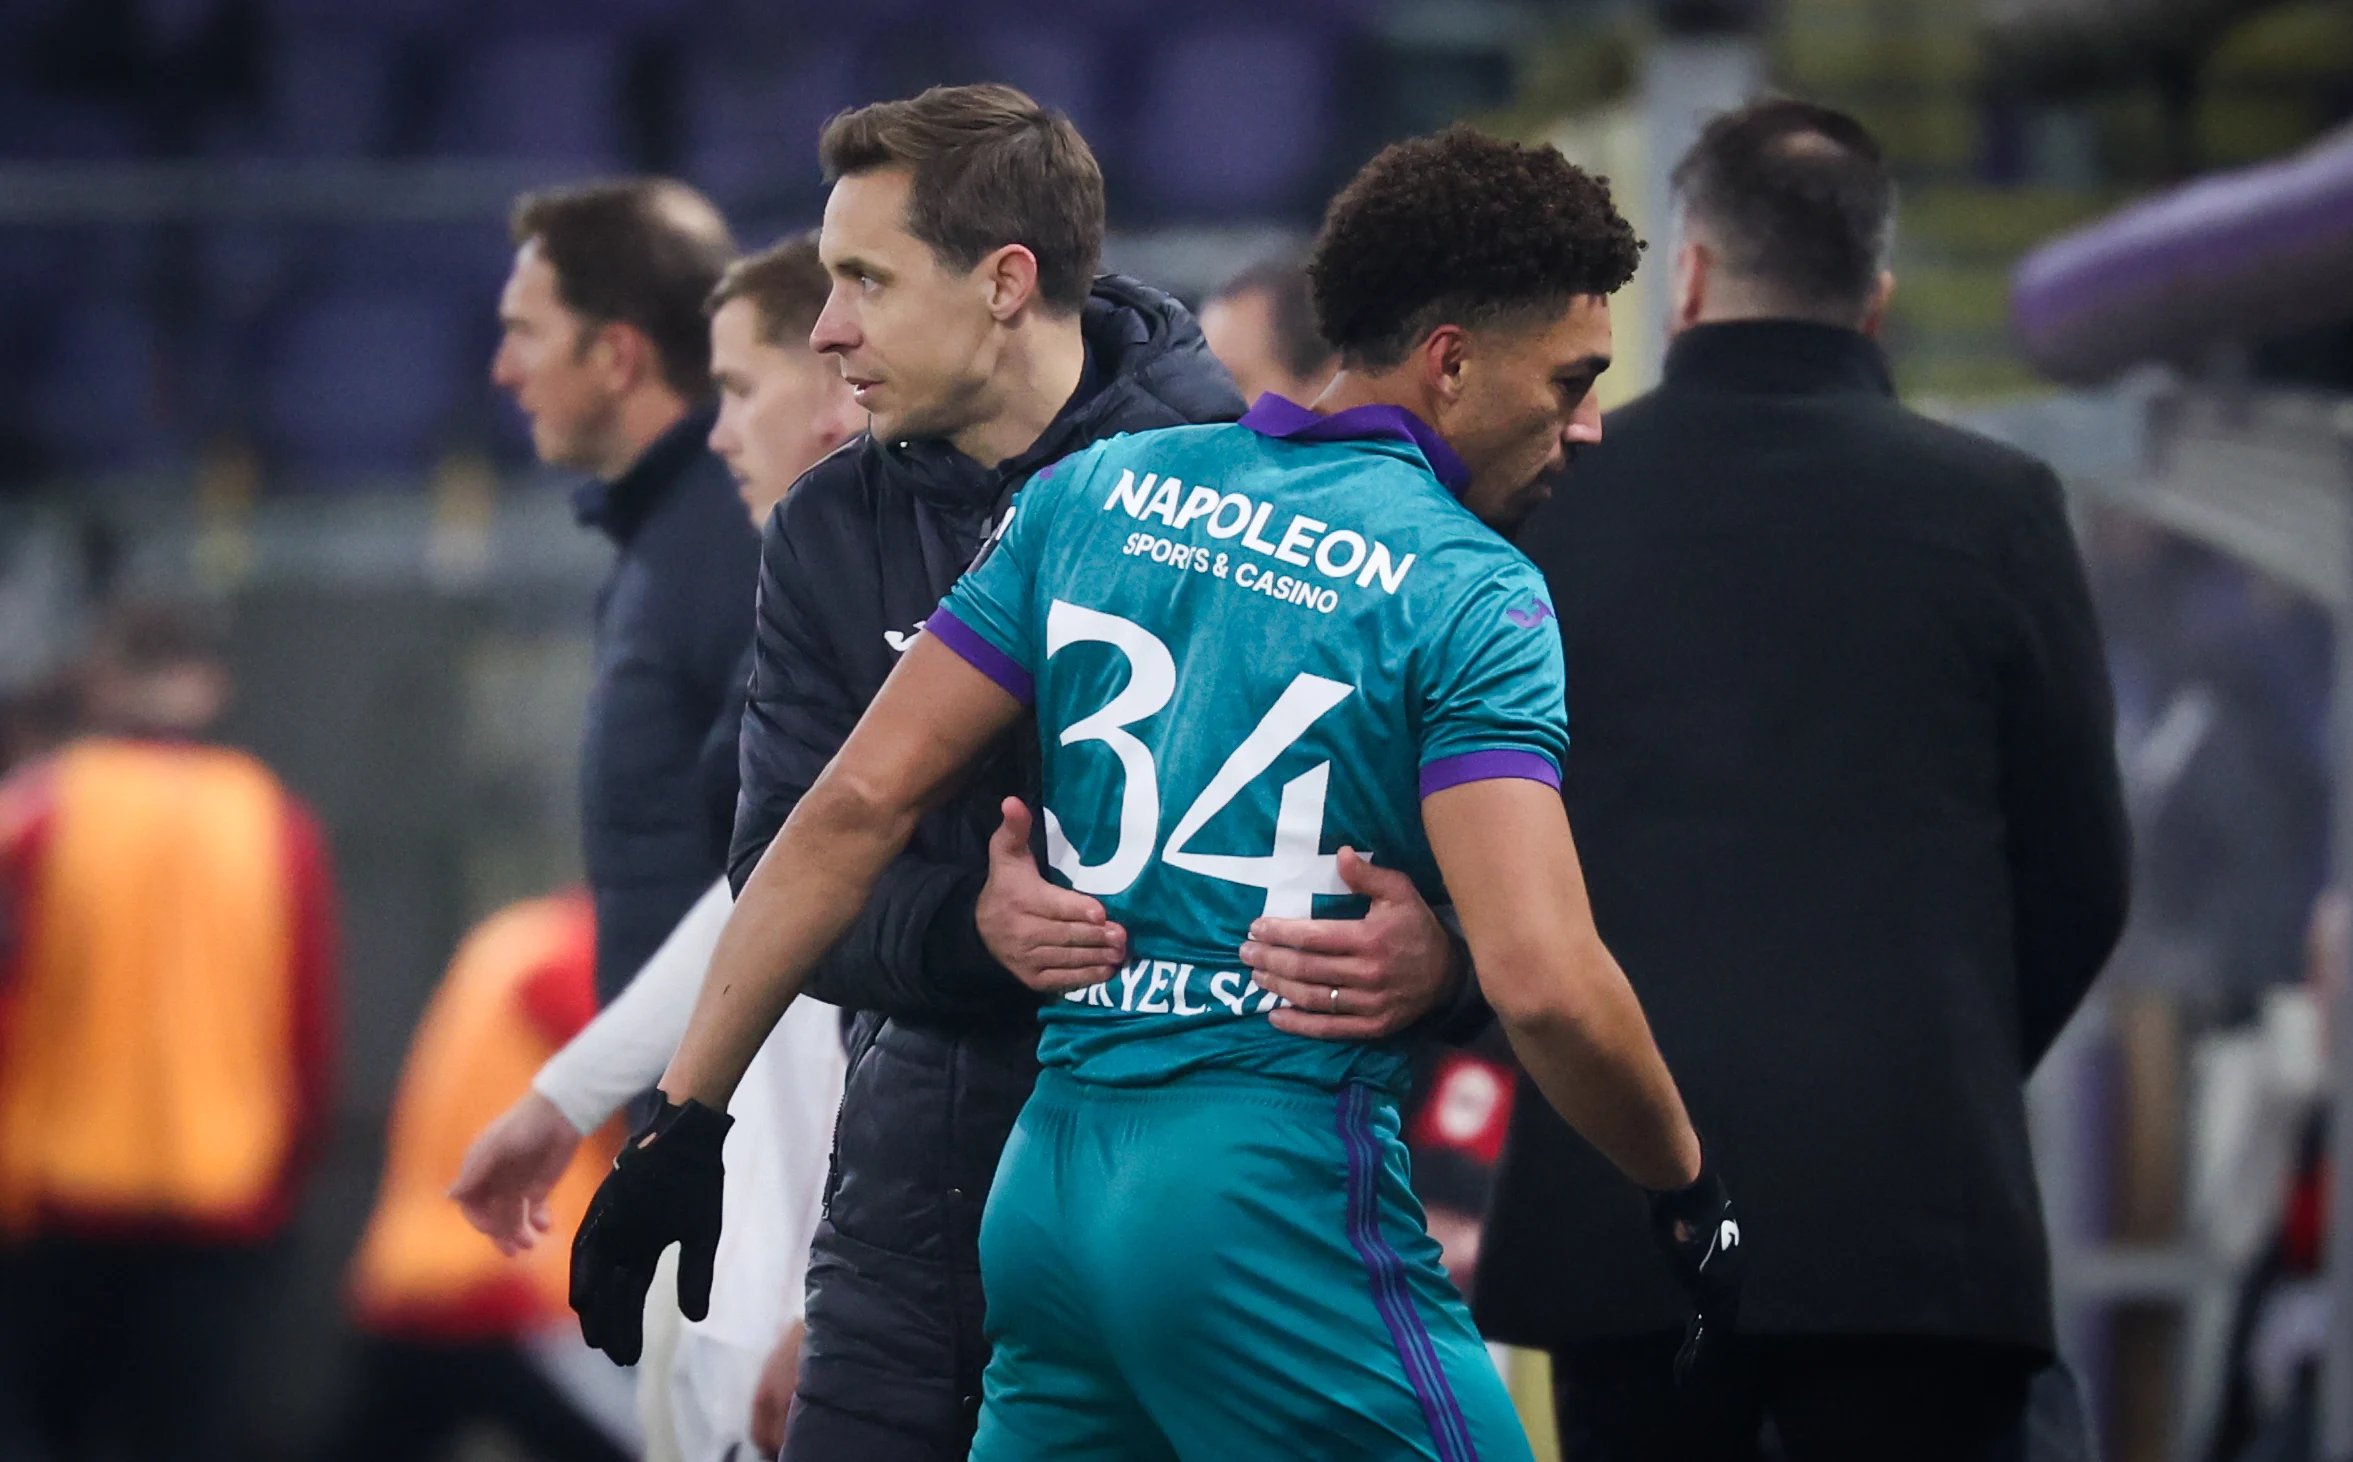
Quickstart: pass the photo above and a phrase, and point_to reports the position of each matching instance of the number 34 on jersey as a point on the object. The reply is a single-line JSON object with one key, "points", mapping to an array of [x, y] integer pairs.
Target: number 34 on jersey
{"points": [[1292, 872]]}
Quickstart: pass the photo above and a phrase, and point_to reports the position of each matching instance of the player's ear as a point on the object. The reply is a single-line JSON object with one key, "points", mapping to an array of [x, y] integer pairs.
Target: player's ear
{"points": [[1441, 358], [624, 354], [1010, 276]]}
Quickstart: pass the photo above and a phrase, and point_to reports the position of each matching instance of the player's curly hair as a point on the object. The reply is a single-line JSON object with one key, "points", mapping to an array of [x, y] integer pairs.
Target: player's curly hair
{"points": [[1463, 229]]}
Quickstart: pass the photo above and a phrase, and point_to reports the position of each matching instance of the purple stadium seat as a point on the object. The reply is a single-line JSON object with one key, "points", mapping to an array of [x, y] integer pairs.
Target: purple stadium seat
{"points": [[246, 268], [98, 399], [371, 17], [1233, 119], [173, 23], [751, 133], [1060, 66], [465, 260], [611, 17], [363, 384], [553, 98], [38, 267], [1070, 14], [46, 129], [331, 94]]}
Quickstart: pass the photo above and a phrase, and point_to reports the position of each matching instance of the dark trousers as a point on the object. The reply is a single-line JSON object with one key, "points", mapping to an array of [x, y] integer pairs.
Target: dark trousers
{"points": [[1827, 1399], [817, 1432], [892, 1359], [126, 1349], [410, 1400]]}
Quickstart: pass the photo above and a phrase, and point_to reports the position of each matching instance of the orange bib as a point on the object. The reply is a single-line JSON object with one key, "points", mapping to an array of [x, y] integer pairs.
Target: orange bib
{"points": [[149, 1071], [520, 984]]}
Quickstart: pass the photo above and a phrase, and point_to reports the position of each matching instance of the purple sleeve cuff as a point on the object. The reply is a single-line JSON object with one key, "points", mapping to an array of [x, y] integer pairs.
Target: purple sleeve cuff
{"points": [[988, 659], [1487, 766]]}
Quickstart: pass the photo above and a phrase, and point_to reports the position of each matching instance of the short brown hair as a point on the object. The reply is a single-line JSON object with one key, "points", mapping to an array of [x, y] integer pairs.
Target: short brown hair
{"points": [[786, 283], [642, 252], [1461, 229], [991, 167]]}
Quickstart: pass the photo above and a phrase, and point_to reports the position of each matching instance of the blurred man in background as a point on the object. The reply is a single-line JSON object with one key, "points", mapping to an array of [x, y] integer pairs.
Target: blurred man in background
{"points": [[781, 408], [457, 1334], [1262, 325], [606, 350], [167, 960], [1846, 787]]}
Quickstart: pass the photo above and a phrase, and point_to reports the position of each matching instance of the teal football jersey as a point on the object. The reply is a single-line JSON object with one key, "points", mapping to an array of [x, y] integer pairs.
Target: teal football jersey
{"points": [[1250, 646]]}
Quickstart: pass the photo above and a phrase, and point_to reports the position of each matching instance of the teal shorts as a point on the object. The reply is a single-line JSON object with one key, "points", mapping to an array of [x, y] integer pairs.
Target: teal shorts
{"points": [[1219, 1269]]}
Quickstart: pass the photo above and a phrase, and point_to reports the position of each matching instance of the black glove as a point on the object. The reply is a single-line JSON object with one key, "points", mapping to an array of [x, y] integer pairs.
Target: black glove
{"points": [[1700, 1235], [664, 1189]]}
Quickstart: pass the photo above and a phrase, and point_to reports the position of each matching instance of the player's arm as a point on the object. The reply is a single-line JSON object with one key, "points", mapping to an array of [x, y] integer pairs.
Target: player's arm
{"points": [[932, 718], [912, 949], [1505, 850]]}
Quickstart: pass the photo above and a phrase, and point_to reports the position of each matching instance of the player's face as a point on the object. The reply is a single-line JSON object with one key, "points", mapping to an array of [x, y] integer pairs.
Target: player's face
{"points": [[781, 407], [546, 362], [915, 339], [1526, 405]]}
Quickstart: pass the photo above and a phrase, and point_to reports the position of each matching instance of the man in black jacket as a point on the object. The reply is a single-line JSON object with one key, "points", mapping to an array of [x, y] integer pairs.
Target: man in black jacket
{"points": [[606, 349], [962, 234], [1845, 786]]}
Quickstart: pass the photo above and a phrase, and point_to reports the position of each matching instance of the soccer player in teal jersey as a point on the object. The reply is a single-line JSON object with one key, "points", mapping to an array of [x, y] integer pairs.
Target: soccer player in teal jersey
{"points": [[1256, 650]]}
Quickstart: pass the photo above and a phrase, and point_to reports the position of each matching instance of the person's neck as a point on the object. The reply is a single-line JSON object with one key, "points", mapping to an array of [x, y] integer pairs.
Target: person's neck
{"points": [[640, 421], [1041, 365], [1353, 387], [1742, 308]]}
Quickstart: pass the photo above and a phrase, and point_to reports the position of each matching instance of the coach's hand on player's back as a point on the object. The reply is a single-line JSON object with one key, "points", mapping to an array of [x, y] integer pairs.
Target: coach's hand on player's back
{"points": [[1052, 938], [1356, 979], [664, 1189]]}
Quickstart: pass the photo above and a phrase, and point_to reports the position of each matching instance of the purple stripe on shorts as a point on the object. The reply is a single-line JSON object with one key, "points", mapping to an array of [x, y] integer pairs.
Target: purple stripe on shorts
{"points": [[981, 655], [1450, 1430], [1487, 766]]}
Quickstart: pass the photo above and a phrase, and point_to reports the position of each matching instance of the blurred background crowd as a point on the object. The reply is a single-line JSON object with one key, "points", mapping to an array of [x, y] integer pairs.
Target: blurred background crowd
{"points": [[250, 252]]}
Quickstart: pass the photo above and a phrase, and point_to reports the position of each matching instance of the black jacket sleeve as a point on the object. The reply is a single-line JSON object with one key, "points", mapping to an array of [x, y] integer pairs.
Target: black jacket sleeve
{"points": [[2062, 798], [914, 950]]}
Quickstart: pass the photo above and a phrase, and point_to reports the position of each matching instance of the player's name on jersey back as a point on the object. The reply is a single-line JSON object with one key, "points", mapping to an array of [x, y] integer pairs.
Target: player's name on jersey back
{"points": [[1341, 557], [1172, 987]]}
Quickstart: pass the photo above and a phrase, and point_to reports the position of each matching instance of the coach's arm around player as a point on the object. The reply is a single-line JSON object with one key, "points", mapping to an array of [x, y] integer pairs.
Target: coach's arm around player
{"points": [[1367, 979], [1562, 999]]}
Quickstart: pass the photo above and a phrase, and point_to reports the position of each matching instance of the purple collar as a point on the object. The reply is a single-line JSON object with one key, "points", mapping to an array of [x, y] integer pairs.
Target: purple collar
{"points": [[1276, 416]]}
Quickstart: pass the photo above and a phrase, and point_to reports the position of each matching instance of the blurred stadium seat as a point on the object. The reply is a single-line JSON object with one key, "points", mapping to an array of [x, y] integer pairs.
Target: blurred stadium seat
{"points": [[98, 398], [552, 97], [36, 128], [374, 17], [1062, 66], [751, 134], [1233, 119], [331, 94], [363, 384]]}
